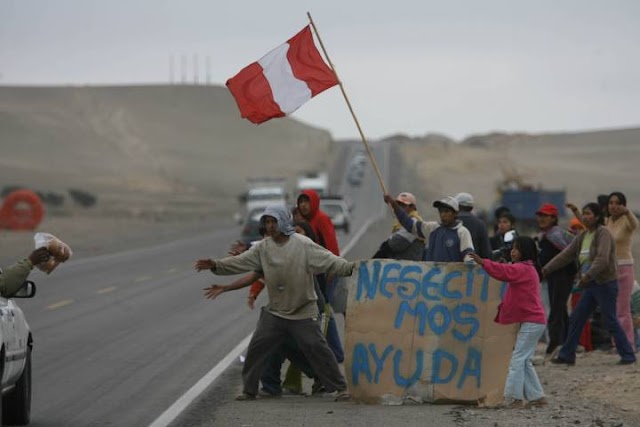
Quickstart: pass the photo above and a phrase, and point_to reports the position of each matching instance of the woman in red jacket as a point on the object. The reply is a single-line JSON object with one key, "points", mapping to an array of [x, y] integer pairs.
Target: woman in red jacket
{"points": [[521, 304]]}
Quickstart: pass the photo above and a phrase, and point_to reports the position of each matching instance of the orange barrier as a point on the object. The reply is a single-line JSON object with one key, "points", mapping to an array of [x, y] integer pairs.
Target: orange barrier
{"points": [[21, 210]]}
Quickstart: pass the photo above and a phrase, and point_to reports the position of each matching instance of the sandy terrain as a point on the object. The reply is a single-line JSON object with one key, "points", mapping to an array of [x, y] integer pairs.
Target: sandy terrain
{"points": [[161, 160], [583, 164], [594, 392], [168, 162]]}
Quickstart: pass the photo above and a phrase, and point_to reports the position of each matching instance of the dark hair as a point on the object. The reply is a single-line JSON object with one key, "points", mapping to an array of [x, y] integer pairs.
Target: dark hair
{"points": [[308, 231], [603, 201], [620, 196], [509, 216], [500, 210], [597, 211], [528, 251]]}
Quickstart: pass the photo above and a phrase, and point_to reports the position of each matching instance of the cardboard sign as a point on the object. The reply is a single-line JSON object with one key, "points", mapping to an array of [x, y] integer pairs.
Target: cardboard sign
{"points": [[424, 332]]}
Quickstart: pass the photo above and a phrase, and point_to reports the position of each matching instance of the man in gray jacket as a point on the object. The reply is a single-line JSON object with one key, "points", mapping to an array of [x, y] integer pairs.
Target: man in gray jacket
{"points": [[13, 277], [288, 262]]}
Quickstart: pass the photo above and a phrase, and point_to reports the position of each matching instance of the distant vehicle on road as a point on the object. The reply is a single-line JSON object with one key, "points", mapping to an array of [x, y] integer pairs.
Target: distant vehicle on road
{"points": [[359, 159], [265, 191], [251, 226], [355, 175], [15, 359], [338, 211], [523, 200], [262, 192], [318, 181]]}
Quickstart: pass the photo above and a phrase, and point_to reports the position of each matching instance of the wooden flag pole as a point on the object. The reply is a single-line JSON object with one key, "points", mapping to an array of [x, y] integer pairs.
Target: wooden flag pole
{"points": [[353, 114]]}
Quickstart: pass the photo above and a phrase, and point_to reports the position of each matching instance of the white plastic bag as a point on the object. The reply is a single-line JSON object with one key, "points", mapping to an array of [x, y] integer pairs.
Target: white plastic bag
{"points": [[60, 251]]}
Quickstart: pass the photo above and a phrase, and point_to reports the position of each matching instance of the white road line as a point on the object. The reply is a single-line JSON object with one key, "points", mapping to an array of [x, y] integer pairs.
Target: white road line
{"points": [[192, 394], [60, 304], [186, 399], [358, 235]]}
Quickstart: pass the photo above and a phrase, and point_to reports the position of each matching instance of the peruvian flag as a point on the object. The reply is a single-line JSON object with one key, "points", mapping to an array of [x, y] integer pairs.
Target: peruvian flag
{"points": [[282, 80]]}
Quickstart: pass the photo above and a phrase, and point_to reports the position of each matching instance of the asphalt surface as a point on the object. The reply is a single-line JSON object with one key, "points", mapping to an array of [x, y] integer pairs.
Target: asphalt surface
{"points": [[217, 405], [118, 338]]}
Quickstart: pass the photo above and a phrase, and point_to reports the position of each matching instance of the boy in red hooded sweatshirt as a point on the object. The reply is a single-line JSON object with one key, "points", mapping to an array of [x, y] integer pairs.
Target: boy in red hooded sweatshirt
{"points": [[308, 204]]}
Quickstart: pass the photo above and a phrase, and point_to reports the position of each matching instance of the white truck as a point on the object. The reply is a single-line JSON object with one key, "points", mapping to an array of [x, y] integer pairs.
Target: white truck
{"points": [[262, 192], [318, 181]]}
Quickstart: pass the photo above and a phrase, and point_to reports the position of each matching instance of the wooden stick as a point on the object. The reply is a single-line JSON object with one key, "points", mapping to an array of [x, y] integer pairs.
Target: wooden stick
{"points": [[353, 114]]}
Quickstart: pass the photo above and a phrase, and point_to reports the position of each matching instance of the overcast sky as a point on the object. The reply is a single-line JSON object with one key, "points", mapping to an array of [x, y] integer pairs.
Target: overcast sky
{"points": [[413, 67]]}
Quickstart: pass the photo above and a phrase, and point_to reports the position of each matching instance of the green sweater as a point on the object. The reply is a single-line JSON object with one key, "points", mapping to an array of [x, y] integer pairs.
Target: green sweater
{"points": [[13, 277], [289, 270]]}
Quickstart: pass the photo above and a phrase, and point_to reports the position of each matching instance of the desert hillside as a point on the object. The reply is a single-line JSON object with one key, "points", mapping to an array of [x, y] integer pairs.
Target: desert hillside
{"points": [[179, 153], [584, 164], [138, 147]]}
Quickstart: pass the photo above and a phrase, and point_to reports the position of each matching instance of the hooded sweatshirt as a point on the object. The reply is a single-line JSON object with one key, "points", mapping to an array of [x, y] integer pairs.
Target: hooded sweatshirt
{"points": [[282, 216], [321, 223], [521, 301], [289, 270], [446, 244]]}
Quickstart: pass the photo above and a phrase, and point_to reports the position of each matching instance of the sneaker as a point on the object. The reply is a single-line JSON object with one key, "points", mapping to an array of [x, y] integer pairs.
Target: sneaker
{"points": [[538, 402], [342, 396], [512, 404], [626, 362], [268, 394], [246, 396], [317, 387], [558, 361]]}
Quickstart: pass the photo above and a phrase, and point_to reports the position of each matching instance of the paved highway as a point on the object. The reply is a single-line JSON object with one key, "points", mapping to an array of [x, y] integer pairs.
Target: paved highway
{"points": [[118, 338]]}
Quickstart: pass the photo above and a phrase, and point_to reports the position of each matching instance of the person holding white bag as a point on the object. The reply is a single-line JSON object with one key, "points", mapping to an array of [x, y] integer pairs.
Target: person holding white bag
{"points": [[13, 277]]}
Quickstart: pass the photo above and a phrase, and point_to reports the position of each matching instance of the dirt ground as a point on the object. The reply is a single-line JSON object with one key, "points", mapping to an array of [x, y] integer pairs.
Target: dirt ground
{"points": [[594, 392]]}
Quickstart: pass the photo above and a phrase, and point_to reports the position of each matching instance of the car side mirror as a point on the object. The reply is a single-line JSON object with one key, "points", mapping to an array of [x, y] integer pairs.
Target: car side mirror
{"points": [[27, 290], [509, 236]]}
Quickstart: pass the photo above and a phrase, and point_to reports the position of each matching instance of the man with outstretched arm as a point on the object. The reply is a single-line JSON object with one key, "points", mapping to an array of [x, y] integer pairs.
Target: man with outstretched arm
{"points": [[448, 240], [13, 277], [288, 261]]}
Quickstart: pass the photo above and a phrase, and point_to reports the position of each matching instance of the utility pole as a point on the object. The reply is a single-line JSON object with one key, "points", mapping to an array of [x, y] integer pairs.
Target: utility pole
{"points": [[208, 65], [171, 70], [195, 68], [183, 69]]}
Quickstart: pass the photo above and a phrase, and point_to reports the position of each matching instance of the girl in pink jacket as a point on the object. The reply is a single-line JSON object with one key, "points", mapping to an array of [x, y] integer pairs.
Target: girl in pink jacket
{"points": [[521, 304]]}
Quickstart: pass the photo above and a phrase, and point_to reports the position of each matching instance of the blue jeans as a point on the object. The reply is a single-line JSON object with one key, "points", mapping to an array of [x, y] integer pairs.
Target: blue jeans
{"points": [[604, 295], [333, 339], [522, 380]]}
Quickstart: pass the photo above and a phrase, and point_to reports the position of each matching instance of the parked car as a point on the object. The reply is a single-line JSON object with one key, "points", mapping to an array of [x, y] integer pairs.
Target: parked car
{"points": [[338, 212], [15, 359]]}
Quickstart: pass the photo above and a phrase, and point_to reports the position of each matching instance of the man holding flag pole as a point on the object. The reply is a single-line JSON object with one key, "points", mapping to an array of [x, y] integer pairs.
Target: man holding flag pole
{"points": [[275, 86]]}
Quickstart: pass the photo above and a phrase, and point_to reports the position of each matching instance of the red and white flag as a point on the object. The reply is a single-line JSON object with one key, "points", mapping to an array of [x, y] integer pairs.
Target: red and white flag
{"points": [[282, 80]]}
